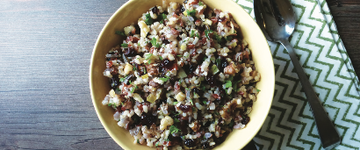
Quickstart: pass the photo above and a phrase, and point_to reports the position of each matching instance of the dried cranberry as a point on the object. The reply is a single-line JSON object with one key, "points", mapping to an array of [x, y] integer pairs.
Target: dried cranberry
{"points": [[224, 63], [200, 58], [130, 52], [211, 80], [114, 82], [155, 10], [205, 145], [147, 119], [185, 108], [190, 68], [197, 91], [182, 8], [246, 120], [190, 143], [167, 65]]}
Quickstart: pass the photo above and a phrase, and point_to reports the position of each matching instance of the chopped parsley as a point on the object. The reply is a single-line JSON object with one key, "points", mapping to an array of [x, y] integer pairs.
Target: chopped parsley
{"points": [[193, 109], [154, 43], [157, 144], [197, 35], [122, 79], [192, 33], [207, 32], [147, 56], [164, 79], [174, 129], [229, 38], [191, 13], [228, 84], [148, 19], [124, 45], [231, 124], [112, 104], [144, 69], [217, 37], [176, 120], [175, 103], [160, 58], [201, 3], [162, 17], [133, 89], [258, 90], [204, 101], [191, 102], [120, 33], [218, 62], [186, 56], [179, 55], [235, 86]]}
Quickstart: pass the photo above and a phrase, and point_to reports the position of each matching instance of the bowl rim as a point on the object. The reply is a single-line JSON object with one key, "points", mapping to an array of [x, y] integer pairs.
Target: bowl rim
{"points": [[92, 91]]}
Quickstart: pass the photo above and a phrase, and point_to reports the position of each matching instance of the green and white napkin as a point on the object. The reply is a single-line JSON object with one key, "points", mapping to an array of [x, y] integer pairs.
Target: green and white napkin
{"points": [[290, 124]]}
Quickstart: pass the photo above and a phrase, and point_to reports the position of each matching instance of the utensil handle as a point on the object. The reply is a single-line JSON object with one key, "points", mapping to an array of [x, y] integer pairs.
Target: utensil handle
{"points": [[328, 135]]}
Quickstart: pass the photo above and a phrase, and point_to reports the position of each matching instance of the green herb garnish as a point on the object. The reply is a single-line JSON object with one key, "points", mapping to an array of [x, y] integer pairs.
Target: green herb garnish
{"points": [[218, 37], [133, 89], [192, 33], [164, 79], [112, 104], [122, 79], [191, 13], [176, 120], [157, 144], [124, 45], [147, 56], [228, 84], [201, 3], [229, 38], [207, 32], [162, 17], [120, 33], [174, 129], [218, 62], [154, 43], [191, 102], [175, 103], [148, 19]]}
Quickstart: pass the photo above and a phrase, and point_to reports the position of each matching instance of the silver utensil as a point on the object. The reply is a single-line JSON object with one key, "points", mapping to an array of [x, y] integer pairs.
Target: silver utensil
{"points": [[276, 19]]}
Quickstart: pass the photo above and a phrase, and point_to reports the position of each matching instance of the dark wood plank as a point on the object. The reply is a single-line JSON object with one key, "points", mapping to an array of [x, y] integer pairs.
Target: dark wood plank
{"points": [[346, 14], [45, 48]]}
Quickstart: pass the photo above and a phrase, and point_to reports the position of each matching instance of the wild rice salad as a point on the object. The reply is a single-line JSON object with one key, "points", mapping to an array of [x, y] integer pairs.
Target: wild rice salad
{"points": [[183, 78]]}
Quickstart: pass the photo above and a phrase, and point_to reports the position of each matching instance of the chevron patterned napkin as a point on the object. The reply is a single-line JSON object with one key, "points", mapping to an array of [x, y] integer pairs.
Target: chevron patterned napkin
{"points": [[290, 124]]}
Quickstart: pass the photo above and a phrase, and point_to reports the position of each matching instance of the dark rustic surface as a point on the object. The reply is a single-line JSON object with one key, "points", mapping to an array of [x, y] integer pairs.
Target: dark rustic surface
{"points": [[45, 50]]}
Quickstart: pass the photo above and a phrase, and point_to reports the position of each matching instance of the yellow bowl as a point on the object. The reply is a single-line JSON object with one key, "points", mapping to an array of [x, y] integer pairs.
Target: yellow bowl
{"points": [[129, 13]]}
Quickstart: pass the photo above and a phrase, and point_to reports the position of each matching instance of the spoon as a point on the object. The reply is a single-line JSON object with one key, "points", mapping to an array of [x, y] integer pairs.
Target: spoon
{"points": [[276, 19]]}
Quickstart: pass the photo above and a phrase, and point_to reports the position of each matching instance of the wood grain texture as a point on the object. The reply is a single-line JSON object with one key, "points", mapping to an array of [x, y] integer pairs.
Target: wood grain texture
{"points": [[45, 50], [346, 14]]}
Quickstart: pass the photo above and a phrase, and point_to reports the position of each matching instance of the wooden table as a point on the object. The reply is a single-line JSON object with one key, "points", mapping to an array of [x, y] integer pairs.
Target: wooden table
{"points": [[45, 50]]}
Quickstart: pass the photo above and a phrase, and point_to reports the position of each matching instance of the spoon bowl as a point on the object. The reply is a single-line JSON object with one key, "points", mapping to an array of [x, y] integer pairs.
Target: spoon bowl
{"points": [[277, 19], [277, 22]]}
